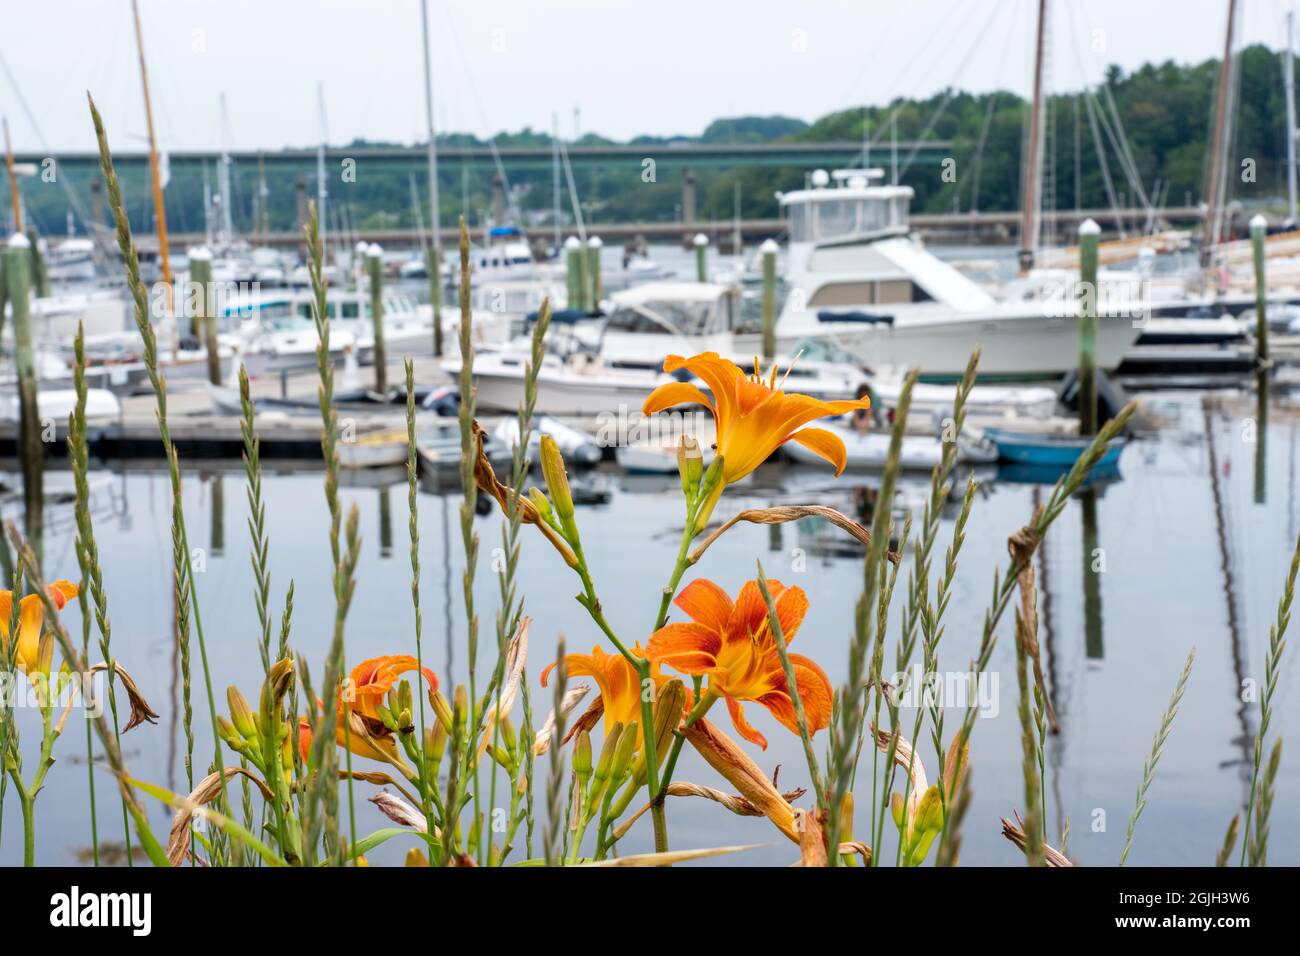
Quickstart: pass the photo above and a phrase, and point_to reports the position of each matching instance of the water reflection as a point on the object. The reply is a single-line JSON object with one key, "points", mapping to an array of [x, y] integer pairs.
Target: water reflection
{"points": [[1189, 558]]}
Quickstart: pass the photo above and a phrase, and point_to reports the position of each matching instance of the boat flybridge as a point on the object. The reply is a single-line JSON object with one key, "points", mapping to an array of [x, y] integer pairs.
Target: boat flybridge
{"points": [[857, 277]]}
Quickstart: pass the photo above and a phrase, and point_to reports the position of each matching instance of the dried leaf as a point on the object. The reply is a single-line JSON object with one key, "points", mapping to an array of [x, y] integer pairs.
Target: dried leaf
{"points": [[671, 856], [725, 756], [207, 790], [1016, 834], [812, 839], [572, 697], [399, 811], [784, 513]]}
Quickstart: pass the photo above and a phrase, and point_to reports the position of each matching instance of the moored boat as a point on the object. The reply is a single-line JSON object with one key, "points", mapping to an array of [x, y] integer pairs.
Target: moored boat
{"points": [[1050, 450]]}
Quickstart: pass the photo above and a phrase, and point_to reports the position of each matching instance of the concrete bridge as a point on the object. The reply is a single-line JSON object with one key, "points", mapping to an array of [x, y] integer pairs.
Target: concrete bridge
{"points": [[941, 227]]}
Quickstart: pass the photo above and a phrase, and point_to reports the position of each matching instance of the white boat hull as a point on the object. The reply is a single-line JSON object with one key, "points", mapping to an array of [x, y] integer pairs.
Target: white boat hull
{"points": [[872, 450], [1019, 347]]}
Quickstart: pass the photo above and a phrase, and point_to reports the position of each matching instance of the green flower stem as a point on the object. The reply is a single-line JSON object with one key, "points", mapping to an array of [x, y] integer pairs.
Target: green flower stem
{"points": [[589, 600]]}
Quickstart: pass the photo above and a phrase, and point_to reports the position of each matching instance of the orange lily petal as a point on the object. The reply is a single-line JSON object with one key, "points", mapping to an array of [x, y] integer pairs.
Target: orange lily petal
{"points": [[720, 375], [791, 606], [825, 444], [705, 603], [742, 725], [671, 394], [814, 693], [689, 648], [31, 620], [749, 613]]}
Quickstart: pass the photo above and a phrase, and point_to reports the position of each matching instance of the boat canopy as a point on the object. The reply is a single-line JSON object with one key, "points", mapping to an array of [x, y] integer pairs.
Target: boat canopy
{"points": [[853, 210], [686, 308]]}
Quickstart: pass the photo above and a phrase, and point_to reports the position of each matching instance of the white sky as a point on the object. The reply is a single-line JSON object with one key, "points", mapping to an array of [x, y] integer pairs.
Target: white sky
{"points": [[660, 67]]}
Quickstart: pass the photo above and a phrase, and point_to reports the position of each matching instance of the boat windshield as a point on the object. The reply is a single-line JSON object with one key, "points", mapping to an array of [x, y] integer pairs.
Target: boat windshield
{"points": [[671, 317], [829, 219], [287, 323]]}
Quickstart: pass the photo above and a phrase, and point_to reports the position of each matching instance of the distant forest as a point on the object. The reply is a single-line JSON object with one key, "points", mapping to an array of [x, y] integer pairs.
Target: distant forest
{"points": [[1159, 114]]}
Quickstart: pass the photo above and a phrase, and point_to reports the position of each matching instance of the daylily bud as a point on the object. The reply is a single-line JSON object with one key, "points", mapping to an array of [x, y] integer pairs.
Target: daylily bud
{"points": [[582, 754], [278, 681], [405, 722], [623, 755], [227, 732], [435, 744], [508, 735], [541, 502], [460, 706], [669, 704], [690, 465], [606, 762], [361, 861], [442, 710], [240, 713], [415, 857], [557, 481], [710, 492]]}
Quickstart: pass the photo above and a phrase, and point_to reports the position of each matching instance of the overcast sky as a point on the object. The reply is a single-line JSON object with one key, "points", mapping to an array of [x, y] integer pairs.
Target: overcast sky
{"points": [[659, 67]]}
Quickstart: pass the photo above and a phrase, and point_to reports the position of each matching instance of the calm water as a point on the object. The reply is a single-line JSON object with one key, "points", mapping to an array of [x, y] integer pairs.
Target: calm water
{"points": [[1168, 555]]}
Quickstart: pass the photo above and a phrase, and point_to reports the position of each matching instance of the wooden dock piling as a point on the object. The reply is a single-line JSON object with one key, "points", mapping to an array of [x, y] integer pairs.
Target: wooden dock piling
{"points": [[769, 248], [1089, 235], [375, 268]]}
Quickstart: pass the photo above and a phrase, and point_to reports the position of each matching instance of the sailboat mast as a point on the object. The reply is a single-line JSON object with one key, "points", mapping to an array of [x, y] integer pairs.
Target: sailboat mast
{"points": [[155, 167], [1033, 156], [434, 222], [1288, 75], [1213, 199]]}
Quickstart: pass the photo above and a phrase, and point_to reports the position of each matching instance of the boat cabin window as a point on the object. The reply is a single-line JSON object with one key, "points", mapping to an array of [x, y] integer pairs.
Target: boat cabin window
{"points": [[829, 219], [882, 292]]}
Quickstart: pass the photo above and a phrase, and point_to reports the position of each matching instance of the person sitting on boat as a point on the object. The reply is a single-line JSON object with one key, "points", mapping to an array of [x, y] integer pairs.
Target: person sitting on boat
{"points": [[863, 419]]}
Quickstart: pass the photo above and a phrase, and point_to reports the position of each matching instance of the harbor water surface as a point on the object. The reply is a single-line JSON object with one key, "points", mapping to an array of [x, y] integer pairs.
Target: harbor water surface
{"points": [[1185, 556]]}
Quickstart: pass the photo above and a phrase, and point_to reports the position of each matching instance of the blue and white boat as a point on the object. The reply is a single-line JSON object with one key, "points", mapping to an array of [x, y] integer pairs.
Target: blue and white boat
{"points": [[1059, 451]]}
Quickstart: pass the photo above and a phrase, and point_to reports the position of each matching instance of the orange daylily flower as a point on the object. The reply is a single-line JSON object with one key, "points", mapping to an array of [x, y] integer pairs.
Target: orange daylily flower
{"points": [[733, 645], [753, 417], [366, 688], [31, 621], [617, 680]]}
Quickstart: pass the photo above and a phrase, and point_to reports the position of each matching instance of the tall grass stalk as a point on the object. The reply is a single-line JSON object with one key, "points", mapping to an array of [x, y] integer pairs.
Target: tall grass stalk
{"points": [[792, 688], [323, 815], [92, 579], [260, 544], [512, 606], [921, 615], [1264, 807], [412, 502], [1023, 545], [555, 822], [852, 697], [1157, 748], [1276, 647], [183, 569], [462, 744], [10, 754], [1025, 622]]}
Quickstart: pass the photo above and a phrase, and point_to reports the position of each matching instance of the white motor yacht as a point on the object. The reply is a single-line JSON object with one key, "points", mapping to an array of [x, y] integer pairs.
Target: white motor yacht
{"points": [[857, 277]]}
